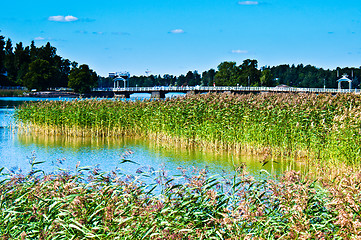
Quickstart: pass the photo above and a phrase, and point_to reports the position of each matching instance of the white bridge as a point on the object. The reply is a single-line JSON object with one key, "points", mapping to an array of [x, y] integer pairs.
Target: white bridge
{"points": [[161, 91]]}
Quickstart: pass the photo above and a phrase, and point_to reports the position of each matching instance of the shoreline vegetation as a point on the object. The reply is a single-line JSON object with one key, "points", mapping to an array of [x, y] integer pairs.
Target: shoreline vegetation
{"points": [[89, 204], [324, 203], [321, 128], [11, 93]]}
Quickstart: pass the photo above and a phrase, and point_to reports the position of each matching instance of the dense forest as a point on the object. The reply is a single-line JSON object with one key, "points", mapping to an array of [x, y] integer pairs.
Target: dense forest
{"points": [[41, 68]]}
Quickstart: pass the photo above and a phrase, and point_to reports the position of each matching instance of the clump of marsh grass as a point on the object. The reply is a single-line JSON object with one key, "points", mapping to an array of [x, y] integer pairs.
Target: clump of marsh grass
{"points": [[318, 127], [190, 205]]}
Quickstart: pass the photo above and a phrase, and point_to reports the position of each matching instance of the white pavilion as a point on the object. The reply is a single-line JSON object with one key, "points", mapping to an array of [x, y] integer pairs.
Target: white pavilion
{"points": [[344, 79], [118, 77]]}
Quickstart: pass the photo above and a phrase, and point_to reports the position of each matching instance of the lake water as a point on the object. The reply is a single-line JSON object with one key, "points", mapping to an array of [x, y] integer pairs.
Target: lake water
{"points": [[107, 153]]}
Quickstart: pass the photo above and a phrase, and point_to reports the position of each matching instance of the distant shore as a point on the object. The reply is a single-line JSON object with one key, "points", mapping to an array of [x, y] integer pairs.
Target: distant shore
{"points": [[52, 94], [11, 93]]}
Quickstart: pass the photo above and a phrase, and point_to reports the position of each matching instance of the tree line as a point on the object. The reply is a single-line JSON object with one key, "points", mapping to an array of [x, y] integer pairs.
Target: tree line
{"points": [[41, 68], [248, 74], [192, 78]]}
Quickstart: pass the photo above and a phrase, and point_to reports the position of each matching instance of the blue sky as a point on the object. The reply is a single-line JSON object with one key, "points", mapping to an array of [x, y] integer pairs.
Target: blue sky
{"points": [[175, 36]]}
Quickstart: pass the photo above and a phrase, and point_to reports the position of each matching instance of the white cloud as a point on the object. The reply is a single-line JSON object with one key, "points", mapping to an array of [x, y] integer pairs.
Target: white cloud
{"points": [[238, 51], [39, 39], [177, 31], [56, 18], [70, 18], [61, 18], [248, 2]]}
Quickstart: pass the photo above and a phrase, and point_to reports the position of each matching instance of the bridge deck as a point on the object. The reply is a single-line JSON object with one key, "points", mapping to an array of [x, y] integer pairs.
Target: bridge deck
{"points": [[198, 89]]}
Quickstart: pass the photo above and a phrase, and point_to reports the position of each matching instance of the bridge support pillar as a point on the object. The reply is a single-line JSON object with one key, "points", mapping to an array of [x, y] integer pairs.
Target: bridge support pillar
{"points": [[157, 94], [122, 95]]}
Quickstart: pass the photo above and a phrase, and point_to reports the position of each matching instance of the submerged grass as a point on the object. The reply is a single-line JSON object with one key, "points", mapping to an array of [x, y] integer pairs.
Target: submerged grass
{"points": [[322, 127], [192, 205]]}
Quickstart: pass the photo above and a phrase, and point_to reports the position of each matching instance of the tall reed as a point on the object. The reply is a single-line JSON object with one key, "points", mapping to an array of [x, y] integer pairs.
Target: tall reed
{"points": [[192, 205], [323, 127]]}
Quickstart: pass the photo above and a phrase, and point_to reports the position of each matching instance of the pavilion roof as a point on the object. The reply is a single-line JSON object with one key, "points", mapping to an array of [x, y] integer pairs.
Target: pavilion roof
{"points": [[344, 79], [119, 79]]}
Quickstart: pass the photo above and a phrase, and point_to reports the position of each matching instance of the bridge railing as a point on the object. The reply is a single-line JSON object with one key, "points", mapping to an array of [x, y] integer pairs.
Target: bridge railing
{"points": [[13, 88], [228, 88]]}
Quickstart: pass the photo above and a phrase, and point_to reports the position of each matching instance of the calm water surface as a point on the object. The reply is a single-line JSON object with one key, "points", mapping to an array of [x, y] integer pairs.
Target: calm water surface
{"points": [[64, 152]]}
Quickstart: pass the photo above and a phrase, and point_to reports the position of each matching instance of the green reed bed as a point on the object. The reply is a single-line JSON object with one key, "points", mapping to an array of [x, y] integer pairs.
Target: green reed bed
{"points": [[322, 126], [191, 205]]}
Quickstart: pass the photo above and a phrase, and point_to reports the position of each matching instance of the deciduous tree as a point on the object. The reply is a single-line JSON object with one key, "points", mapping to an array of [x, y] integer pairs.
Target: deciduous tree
{"points": [[82, 79], [40, 75], [228, 74]]}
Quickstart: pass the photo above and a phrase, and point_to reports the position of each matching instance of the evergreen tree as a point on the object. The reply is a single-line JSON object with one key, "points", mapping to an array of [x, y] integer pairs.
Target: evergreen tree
{"points": [[181, 81], [266, 79], [2, 61], [33, 51], [22, 61], [190, 79], [208, 77], [250, 75], [10, 63]]}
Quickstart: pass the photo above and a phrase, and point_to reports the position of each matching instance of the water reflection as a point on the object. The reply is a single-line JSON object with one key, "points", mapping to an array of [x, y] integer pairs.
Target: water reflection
{"points": [[107, 152]]}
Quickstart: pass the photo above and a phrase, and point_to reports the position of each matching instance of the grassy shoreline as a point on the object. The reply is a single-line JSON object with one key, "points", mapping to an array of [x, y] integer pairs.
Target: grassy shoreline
{"points": [[324, 128], [191, 205]]}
